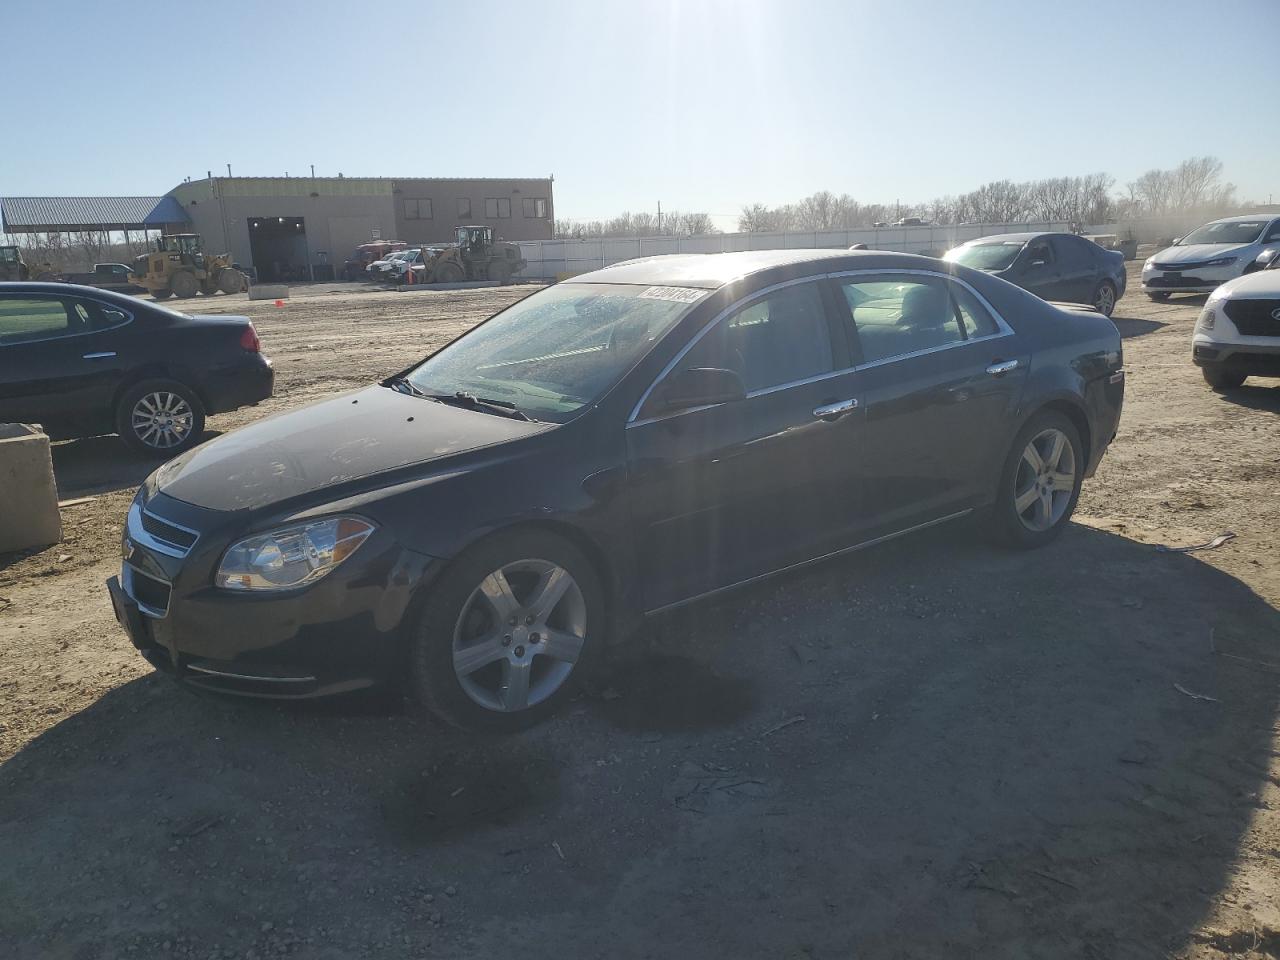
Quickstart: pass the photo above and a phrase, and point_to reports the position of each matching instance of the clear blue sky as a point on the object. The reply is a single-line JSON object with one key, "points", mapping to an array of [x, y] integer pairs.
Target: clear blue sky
{"points": [[702, 104]]}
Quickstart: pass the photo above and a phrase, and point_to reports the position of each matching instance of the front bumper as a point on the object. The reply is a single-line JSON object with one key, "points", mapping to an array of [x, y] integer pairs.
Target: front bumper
{"points": [[345, 632], [1250, 358], [1195, 280]]}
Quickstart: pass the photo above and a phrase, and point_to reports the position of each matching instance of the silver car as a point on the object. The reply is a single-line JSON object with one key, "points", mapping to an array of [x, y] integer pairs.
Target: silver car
{"points": [[1209, 256]]}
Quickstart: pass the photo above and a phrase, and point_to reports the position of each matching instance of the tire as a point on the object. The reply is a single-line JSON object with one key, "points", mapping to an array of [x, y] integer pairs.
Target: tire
{"points": [[161, 294], [1104, 298], [184, 284], [231, 281], [1159, 296], [208, 289], [449, 273], [499, 271], [1044, 517], [1221, 378], [160, 418], [479, 696]]}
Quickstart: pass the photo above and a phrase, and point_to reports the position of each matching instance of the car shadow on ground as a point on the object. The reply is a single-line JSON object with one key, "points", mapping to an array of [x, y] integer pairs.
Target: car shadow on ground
{"points": [[96, 465], [1136, 327], [931, 748], [1256, 394]]}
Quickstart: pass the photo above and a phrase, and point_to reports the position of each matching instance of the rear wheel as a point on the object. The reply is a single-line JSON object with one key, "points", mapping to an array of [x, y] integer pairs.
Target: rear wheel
{"points": [[231, 280], [1222, 378], [449, 273], [1040, 483], [185, 285], [160, 418], [507, 632], [499, 271], [1159, 296], [1104, 298]]}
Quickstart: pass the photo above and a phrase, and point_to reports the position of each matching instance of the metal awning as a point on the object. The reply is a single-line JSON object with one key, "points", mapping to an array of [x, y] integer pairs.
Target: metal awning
{"points": [[67, 214]]}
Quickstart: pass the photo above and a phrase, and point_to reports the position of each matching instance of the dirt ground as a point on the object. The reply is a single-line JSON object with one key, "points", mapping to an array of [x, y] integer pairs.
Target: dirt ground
{"points": [[931, 748]]}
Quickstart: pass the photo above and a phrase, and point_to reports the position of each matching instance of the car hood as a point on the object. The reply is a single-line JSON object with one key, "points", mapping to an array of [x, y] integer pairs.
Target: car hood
{"points": [[1262, 285], [348, 437], [1200, 251]]}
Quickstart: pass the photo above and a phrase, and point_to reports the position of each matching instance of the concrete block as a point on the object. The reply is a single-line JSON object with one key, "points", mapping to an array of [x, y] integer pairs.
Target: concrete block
{"points": [[269, 291], [28, 495]]}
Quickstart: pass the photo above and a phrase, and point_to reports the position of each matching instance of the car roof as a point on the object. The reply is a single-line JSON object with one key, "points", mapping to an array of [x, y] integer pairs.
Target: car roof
{"points": [[1246, 218], [75, 289], [1012, 238], [711, 271]]}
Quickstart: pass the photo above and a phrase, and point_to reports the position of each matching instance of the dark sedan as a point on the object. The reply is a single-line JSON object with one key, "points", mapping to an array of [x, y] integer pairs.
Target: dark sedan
{"points": [[83, 361], [483, 524], [1054, 266]]}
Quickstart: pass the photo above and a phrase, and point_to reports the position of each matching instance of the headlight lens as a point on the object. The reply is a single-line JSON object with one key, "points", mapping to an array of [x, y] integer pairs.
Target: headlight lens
{"points": [[1220, 262], [1208, 319], [291, 556]]}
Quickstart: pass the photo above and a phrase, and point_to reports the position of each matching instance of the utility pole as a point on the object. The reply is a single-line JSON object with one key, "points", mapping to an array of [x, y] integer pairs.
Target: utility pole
{"points": [[228, 169], [313, 171], [659, 218]]}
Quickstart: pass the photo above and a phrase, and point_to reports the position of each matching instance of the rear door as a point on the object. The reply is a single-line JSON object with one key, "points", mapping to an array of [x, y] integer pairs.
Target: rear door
{"points": [[730, 491], [58, 362], [1079, 266], [939, 377]]}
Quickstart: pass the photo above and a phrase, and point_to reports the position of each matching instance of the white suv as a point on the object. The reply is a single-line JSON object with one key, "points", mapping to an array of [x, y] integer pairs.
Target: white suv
{"points": [[1209, 256], [1238, 333]]}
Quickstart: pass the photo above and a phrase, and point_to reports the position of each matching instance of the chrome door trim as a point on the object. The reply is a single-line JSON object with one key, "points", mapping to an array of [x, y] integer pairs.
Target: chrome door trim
{"points": [[103, 355], [1004, 331], [805, 563]]}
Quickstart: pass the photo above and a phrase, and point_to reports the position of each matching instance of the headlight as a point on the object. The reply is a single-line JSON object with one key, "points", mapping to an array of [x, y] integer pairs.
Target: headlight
{"points": [[1207, 320], [291, 556], [1150, 264], [1220, 262]]}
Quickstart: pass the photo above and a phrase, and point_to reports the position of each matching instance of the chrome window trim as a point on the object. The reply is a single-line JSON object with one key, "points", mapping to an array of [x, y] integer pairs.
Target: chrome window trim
{"points": [[14, 295], [1004, 331], [138, 534]]}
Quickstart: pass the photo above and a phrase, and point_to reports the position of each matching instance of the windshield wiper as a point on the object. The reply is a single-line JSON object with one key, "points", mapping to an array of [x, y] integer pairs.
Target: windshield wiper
{"points": [[503, 408], [405, 385]]}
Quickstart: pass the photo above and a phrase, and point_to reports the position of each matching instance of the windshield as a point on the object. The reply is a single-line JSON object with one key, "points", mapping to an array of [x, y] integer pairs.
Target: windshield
{"points": [[553, 353], [1238, 231], [986, 256]]}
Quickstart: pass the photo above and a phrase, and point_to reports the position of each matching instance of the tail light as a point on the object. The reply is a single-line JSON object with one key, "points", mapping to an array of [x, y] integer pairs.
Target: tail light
{"points": [[249, 340]]}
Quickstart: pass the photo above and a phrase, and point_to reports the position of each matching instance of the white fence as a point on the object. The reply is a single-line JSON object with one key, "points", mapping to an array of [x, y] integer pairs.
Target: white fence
{"points": [[548, 258]]}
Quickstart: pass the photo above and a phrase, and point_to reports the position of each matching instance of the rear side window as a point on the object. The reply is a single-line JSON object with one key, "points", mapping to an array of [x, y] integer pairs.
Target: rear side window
{"points": [[778, 339], [975, 319], [24, 319], [93, 315], [895, 317], [1074, 253]]}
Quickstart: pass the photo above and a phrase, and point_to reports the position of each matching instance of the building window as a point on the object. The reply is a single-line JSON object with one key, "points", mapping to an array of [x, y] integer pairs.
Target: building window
{"points": [[497, 208], [417, 209], [535, 208], [464, 207]]}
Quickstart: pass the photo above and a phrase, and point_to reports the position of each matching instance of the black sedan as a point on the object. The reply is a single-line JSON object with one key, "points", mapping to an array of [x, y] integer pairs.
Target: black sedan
{"points": [[83, 361], [484, 523], [1059, 267]]}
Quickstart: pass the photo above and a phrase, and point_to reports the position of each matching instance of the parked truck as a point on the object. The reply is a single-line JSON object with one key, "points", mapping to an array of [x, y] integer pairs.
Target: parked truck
{"points": [[108, 276]]}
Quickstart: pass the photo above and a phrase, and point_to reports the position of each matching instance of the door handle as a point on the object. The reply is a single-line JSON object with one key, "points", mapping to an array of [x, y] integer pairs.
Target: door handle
{"points": [[1001, 367], [99, 356], [834, 411]]}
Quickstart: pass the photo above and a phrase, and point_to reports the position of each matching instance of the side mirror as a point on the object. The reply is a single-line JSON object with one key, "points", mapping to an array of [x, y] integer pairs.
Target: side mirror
{"points": [[700, 386]]}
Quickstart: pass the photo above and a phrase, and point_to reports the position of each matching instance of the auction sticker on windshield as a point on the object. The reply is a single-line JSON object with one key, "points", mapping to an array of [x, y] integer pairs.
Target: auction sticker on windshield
{"points": [[678, 294]]}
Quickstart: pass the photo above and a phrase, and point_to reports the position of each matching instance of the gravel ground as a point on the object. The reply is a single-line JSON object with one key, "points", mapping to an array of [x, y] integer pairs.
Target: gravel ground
{"points": [[931, 748]]}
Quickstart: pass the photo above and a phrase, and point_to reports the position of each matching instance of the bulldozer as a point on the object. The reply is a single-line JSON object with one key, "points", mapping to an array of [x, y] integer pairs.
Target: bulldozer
{"points": [[474, 255], [179, 267], [11, 265]]}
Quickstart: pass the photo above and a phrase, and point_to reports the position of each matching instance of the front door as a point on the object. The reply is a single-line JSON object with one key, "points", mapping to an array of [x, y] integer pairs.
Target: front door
{"points": [[58, 362], [1039, 271], [730, 491], [939, 377]]}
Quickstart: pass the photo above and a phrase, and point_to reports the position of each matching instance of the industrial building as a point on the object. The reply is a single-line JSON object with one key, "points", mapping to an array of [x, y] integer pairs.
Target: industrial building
{"points": [[302, 228]]}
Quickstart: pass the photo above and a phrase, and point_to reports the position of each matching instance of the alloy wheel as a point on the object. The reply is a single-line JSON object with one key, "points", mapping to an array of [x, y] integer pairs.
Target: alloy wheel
{"points": [[519, 635], [1045, 481], [1105, 301], [162, 420]]}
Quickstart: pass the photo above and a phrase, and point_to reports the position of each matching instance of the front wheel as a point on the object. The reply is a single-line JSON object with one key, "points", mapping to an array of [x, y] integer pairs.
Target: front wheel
{"points": [[160, 418], [1104, 298], [1159, 296], [1222, 378], [184, 284], [162, 294], [1040, 482], [449, 273], [507, 632]]}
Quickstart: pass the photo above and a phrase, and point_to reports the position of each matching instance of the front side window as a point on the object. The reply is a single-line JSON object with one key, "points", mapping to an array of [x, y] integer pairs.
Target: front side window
{"points": [[1039, 251], [779, 339], [557, 351], [24, 319], [891, 318]]}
